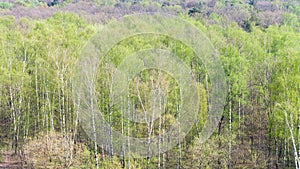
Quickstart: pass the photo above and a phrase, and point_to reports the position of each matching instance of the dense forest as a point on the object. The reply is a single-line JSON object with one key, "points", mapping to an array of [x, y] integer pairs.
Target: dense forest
{"points": [[41, 45]]}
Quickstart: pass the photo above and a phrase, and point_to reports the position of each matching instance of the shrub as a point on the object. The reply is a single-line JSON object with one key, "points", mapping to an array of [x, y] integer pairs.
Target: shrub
{"points": [[56, 151], [6, 5]]}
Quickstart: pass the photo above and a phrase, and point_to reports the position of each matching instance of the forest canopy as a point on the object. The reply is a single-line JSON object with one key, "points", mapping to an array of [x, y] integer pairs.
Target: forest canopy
{"points": [[258, 46]]}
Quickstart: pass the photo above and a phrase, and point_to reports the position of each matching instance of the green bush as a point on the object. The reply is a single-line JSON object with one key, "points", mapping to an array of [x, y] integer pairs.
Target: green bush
{"points": [[6, 5]]}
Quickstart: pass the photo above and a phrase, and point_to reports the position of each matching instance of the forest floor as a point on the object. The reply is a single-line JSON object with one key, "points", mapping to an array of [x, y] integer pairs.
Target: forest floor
{"points": [[10, 160]]}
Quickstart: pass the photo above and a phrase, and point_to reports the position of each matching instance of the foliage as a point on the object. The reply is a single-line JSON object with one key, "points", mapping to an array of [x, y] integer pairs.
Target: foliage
{"points": [[6, 5], [53, 150], [258, 43]]}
